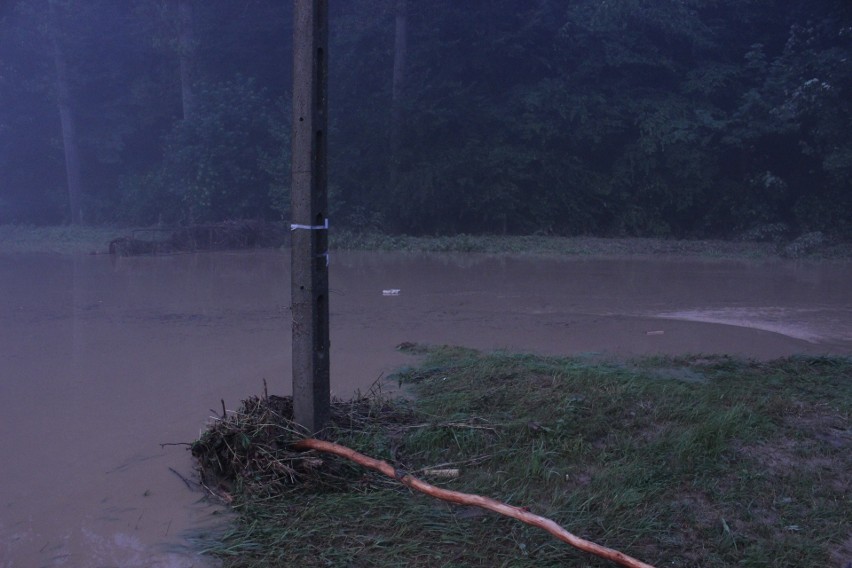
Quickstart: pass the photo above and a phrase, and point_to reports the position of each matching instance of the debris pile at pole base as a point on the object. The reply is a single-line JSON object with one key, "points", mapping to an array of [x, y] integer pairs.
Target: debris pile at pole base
{"points": [[249, 451]]}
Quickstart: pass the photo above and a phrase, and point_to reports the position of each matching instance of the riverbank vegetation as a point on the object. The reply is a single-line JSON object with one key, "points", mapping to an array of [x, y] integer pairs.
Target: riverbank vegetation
{"points": [[813, 247], [637, 118], [90, 239], [690, 461], [56, 239]]}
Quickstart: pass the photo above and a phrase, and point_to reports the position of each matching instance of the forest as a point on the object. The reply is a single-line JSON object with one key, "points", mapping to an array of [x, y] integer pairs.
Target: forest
{"points": [[665, 118]]}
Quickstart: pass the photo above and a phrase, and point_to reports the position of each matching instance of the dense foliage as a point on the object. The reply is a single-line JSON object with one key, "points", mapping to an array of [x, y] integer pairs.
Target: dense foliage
{"points": [[637, 117]]}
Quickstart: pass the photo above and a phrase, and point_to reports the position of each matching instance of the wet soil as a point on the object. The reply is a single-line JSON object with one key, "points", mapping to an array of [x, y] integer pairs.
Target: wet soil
{"points": [[103, 359]]}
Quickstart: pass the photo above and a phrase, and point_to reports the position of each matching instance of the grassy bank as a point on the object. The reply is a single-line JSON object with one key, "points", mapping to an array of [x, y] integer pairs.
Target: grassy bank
{"points": [[60, 239], [586, 246], [66, 239], [679, 462]]}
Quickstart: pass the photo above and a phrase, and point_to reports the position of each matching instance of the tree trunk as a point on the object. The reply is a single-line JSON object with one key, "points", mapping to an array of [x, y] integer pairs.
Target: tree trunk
{"points": [[186, 48], [397, 86], [66, 117]]}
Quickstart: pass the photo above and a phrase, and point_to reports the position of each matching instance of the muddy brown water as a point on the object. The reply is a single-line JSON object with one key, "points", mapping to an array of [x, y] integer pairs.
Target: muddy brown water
{"points": [[102, 360]]}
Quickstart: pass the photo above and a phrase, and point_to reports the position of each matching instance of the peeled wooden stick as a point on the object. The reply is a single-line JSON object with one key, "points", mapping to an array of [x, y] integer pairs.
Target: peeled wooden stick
{"points": [[475, 500]]}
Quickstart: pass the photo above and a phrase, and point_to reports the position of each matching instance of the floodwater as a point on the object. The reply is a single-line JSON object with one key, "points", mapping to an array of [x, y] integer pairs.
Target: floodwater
{"points": [[102, 360]]}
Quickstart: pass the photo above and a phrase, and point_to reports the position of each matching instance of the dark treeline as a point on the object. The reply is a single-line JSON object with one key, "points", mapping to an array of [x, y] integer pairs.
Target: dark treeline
{"points": [[686, 118]]}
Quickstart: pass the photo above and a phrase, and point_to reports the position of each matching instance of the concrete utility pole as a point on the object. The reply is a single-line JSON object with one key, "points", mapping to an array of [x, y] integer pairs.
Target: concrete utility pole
{"points": [[309, 229]]}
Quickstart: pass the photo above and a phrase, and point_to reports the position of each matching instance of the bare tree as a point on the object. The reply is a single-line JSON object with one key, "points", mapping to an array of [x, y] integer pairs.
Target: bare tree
{"points": [[398, 84], [66, 116], [186, 50]]}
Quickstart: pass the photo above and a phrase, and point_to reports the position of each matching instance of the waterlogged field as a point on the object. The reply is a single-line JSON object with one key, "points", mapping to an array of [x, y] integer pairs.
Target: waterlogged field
{"points": [[107, 361]]}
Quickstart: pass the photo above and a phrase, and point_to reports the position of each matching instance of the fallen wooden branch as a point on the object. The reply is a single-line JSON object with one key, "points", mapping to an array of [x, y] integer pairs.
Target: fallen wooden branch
{"points": [[474, 500], [447, 473]]}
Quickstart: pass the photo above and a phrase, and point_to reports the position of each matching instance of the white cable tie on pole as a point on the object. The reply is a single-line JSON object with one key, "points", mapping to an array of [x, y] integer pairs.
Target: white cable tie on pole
{"points": [[294, 226]]}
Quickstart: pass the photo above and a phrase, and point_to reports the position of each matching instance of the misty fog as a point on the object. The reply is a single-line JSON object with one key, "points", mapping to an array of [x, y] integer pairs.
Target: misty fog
{"points": [[641, 118]]}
